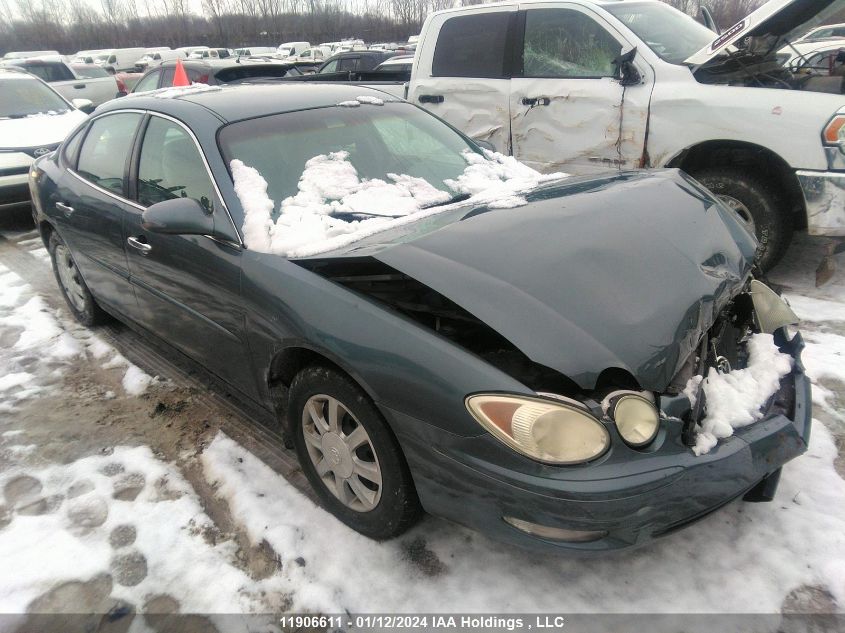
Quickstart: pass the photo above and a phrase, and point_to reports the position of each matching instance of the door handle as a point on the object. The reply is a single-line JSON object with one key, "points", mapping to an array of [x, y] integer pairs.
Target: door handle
{"points": [[536, 101], [431, 99], [79, 86], [61, 206], [138, 245]]}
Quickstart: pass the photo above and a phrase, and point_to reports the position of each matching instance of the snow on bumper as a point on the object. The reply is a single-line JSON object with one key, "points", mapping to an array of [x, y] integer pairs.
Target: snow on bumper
{"points": [[632, 497], [824, 197]]}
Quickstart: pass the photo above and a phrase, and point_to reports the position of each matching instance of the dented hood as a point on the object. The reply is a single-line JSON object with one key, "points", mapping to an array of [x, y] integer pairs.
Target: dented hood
{"points": [[775, 21], [627, 271]]}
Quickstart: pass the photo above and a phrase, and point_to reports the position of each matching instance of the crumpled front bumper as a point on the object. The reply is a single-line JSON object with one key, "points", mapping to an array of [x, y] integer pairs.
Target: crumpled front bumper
{"points": [[824, 197], [634, 500]]}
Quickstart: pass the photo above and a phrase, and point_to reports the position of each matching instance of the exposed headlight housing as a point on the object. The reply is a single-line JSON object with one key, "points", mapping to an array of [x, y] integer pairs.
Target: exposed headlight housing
{"points": [[637, 419], [771, 310], [550, 432]]}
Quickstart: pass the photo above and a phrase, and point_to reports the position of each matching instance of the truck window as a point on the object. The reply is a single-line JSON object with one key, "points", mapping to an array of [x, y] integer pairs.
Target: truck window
{"points": [[50, 72], [564, 43], [472, 46]]}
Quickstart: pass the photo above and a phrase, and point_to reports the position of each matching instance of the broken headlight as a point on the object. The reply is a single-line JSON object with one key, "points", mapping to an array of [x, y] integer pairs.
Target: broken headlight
{"points": [[550, 432], [771, 310]]}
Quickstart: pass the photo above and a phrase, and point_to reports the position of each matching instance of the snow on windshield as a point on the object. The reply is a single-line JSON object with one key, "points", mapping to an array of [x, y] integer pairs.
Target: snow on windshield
{"points": [[735, 399], [334, 206]]}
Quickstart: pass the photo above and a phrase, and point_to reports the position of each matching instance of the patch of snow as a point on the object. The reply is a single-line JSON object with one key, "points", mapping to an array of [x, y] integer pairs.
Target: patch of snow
{"points": [[349, 104], [136, 381], [330, 185], [164, 552], [370, 100], [734, 399], [173, 92], [810, 309], [15, 379]]}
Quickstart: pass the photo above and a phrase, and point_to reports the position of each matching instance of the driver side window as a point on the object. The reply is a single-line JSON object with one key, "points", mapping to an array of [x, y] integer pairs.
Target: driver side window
{"points": [[171, 167], [102, 159], [564, 43]]}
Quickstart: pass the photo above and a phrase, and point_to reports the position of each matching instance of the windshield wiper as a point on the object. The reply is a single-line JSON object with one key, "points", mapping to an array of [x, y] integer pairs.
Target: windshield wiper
{"points": [[460, 197]]}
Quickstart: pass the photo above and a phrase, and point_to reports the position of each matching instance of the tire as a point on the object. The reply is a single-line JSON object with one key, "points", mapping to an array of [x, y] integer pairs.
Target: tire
{"points": [[378, 510], [73, 288], [759, 209]]}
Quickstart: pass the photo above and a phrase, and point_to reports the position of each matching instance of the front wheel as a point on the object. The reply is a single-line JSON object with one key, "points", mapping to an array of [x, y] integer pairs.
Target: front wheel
{"points": [[756, 203], [350, 456], [76, 293]]}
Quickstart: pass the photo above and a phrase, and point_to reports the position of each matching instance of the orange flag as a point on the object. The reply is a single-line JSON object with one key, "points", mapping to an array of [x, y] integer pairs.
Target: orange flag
{"points": [[180, 78]]}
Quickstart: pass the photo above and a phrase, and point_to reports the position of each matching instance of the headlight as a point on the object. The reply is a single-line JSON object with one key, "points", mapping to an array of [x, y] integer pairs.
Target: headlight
{"points": [[636, 418], [771, 310], [834, 132], [550, 432]]}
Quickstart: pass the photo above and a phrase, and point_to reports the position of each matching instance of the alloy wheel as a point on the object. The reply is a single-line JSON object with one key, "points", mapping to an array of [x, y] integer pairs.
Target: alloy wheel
{"points": [[69, 277]]}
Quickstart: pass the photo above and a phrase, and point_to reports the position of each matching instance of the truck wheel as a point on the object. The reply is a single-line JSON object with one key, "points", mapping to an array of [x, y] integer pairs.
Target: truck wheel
{"points": [[76, 293], [350, 456], [757, 205]]}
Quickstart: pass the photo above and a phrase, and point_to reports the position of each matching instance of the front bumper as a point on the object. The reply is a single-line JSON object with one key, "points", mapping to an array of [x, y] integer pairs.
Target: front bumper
{"points": [[824, 197], [14, 179], [634, 499]]}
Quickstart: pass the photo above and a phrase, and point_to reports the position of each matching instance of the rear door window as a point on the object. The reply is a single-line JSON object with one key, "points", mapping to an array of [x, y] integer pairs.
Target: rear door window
{"points": [[472, 46], [349, 63], [149, 82], [104, 152]]}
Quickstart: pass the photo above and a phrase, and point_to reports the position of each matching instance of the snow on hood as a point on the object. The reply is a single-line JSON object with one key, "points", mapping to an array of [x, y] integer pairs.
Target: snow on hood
{"points": [[735, 399], [39, 129], [775, 19], [306, 223]]}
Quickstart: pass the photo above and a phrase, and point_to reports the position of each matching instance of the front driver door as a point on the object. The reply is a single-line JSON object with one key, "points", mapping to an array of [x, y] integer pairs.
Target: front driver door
{"points": [[569, 112], [188, 286]]}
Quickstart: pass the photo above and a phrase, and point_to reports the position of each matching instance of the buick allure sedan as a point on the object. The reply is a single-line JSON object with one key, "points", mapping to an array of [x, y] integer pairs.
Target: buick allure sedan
{"points": [[528, 365]]}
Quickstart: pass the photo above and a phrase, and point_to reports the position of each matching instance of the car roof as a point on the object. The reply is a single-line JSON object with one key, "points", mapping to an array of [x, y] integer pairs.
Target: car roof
{"points": [[8, 72], [234, 103]]}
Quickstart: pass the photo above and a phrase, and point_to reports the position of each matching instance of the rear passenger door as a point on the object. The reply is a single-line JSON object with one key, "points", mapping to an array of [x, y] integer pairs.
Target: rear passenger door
{"points": [[92, 200], [463, 73], [188, 286]]}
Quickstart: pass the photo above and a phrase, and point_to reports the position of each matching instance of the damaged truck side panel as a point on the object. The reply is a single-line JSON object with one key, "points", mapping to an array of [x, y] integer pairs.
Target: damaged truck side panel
{"points": [[557, 108]]}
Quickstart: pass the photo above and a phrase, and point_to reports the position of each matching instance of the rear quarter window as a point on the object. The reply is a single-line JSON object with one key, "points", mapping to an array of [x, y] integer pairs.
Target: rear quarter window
{"points": [[472, 46]]}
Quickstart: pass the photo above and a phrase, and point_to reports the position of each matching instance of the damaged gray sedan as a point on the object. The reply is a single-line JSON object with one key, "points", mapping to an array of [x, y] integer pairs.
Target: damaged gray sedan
{"points": [[431, 326]]}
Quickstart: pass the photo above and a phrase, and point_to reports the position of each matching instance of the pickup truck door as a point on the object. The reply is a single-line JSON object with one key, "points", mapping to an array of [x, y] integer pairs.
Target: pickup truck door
{"points": [[462, 71], [569, 110]]}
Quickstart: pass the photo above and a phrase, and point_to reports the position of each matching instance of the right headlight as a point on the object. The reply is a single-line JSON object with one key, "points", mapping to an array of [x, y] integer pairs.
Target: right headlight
{"points": [[550, 432], [637, 419]]}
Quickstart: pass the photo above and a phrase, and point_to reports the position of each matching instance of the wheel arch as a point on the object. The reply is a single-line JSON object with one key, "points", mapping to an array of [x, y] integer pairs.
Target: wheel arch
{"points": [[762, 161], [293, 357], [45, 230]]}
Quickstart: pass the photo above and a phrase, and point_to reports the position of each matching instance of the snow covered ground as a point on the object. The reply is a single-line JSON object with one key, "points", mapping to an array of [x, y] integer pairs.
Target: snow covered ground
{"points": [[105, 507]]}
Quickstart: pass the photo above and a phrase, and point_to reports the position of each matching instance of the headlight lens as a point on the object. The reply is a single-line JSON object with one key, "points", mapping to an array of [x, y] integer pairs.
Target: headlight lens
{"points": [[550, 432], [834, 132], [636, 418], [771, 310]]}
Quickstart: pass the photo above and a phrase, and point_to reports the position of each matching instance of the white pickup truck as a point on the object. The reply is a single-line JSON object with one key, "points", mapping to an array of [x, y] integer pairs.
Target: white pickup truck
{"points": [[72, 81], [588, 85]]}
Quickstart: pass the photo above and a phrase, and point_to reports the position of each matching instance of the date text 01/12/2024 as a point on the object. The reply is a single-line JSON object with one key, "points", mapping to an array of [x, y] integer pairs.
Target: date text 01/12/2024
{"points": [[424, 622]]}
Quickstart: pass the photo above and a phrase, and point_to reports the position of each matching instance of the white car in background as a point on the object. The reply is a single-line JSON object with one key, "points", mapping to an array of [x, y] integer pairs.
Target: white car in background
{"points": [[313, 54], [210, 53], [250, 51], [153, 59], [34, 120], [292, 49], [25, 54], [72, 81]]}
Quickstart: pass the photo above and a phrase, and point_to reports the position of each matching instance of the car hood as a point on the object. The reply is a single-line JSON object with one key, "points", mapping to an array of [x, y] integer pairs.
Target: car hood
{"points": [[777, 20], [626, 271], [38, 130]]}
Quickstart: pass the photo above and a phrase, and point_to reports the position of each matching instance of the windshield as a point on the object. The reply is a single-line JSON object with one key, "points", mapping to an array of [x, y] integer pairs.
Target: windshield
{"points": [[25, 97], [672, 35], [101, 59], [380, 142]]}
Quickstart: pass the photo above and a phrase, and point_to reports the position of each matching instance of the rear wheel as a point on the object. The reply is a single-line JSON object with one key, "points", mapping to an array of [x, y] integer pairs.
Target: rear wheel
{"points": [[349, 454], [756, 203], [76, 293]]}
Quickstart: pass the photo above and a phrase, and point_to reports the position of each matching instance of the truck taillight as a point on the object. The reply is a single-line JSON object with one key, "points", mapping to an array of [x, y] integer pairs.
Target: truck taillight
{"points": [[834, 132]]}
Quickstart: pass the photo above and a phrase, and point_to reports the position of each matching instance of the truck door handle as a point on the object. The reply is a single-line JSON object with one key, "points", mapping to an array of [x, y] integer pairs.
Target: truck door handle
{"points": [[138, 245], [431, 99], [79, 86], [536, 101], [61, 206]]}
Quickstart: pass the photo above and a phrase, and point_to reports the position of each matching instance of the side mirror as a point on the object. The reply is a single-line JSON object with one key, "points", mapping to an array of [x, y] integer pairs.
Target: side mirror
{"points": [[178, 216], [485, 145], [626, 71], [86, 105]]}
